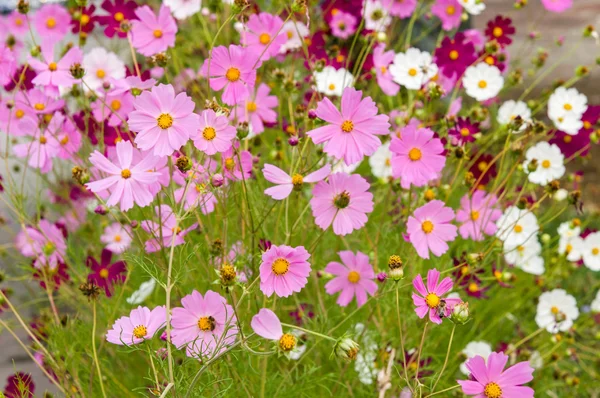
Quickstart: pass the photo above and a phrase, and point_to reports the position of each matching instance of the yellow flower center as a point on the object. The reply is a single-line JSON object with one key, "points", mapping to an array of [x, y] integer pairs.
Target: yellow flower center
{"points": [[498, 274], [567, 139], [251, 106], [119, 16], [586, 125], [568, 107], [568, 248], [546, 164], [518, 229], [287, 342], [19, 113], [464, 132], [115, 105], [176, 230], [100, 73], [554, 310], [497, 32], [209, 133], [353, 277], [140, 331], [383, 69], [52, 66], [233, 74], [18, 22], [264, 39], [482, 84], [412, 72], [164, 121], [207, 324], [482, 166], [125, 173], [432, 300], [450, 10], [117, 238], [50, 23], [200, 188], [64, 140], [290, 34], [229, 164], [157, 33], [280, 266], [473, 287], [347, 126], [492, 390], [297, 180], [85, 19], [489, 60], [595, 251], [474, 215], [453, 55], [415, 154], [427, 226], [39, 107], [331, 87], [103, 273]]}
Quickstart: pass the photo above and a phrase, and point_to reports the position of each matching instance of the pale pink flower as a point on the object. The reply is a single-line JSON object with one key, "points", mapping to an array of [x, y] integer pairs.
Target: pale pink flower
{"points": [[16, 24], [478, 215], [284, 270], [38, 102], [8, 65], [258, 110], [52, 73], [354, 277], [285, 183], [114, 107], [46, 244], [42, 148], [141, 324], [264, 35], [198, 192], [449, 11], [64, 131], [342, 24], [52, 23], [430, 298], [169, 229], [429, 228], [152, 34], [400, 8], [116, 237], [214, 133], [237, 165], [557, 5], [134, 84], [381, 62]]}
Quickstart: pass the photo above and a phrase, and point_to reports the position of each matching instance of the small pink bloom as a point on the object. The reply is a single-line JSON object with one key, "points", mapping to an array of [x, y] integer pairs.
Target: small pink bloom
{"points": [[214, 133], [343, 201], [478, 214], [8, 65], [342, 24], [66, 134], [151, 34], [354, 277], [417, 156], [203, 325], [131, 83], [264, 35], [430, 298], [350, 134], [400, 8], [258, 110], [52, 23], [449, 11], [38, 102], [237, 165], [52, 74], [114, 107], [231, 70], [557, 5], [489, 379], [42, 148], [164, 122], [168, 228], [198, 192], [117, 238], [429, 228], [140, 325], [285, 183], [381, 61], [16, 24], [46, 244], [284, 270], [127, 182]]}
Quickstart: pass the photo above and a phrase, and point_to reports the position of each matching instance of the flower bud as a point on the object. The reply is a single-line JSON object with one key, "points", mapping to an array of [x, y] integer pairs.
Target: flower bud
{"points": [[460, 313], [293, 141], [217, 180], [35, 51], [77, 71], [396, 267], [183, 164], [227, 275], [532, 166], [134, 224], [101, 210], [243, 130], [312, 114], [80, 175], [23, 6], [346, 349]]}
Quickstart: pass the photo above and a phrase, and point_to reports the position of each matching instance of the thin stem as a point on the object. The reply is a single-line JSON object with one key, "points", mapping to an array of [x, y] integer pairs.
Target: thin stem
{"points": [[94, 347], [420, 350], [308, 331], [524, 340], [445, 360], [401, 337], [446, 390]]}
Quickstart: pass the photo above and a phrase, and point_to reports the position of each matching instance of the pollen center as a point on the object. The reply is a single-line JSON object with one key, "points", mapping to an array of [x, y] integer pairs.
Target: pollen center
{"points": [[280, 266], [342, 200], [19, 113], [52, 66], [497, 32], [474, 215], [482, 84], [546, 164], [251, 106], [347, 126], [568, 107], [264, 38], [115, 105], [595, 251], [125, 173], [43, 140], [233, 74], [450, 10], [229, 164], [492, 390], [50, 23], [464, 132], [209, 133], [427, 226], [39, 107], [453, 55], [100, 73], [164, 121], [432, 300], [353, 277], [103, 273], [415, 154], [518, 229], [412, 72], [331, 87], [85, 19], [297, 180], [140, 331], [117, 238], [207, 323], [119, 16], [287, 342], [158, 33]]}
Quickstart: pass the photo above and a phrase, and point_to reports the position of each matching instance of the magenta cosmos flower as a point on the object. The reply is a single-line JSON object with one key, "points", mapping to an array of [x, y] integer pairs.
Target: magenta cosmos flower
{"points": [[455, 55], [264, 35], [430, 298], [104, 274], [214, 133], [151, 34], [500, 29], [344, 201], [350, 134], [354, 277], [204, 325], [557, 5], [417, 156], [285, 183], [140, 325], [231, 70], [258, 110], [46, 244], [400, 8], [478, 215], [342, 24], [490, 380], [164, 122], [429, 228], [449, 12], [52, 23], [118, 12], [168, 229], [381, 62], [127, 182], [52, 74], [284, 270], [266, 324]]}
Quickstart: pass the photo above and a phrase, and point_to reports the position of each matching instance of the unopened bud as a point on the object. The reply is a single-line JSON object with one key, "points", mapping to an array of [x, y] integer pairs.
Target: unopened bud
{"points": [[396, 267], [460, 313], [346, 349], [101, 210], [217, 180], [77, 71], [23, 6], [183, 164]]}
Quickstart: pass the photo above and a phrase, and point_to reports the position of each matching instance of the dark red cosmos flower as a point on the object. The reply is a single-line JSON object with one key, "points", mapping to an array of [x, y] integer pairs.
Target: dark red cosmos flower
{"points": [[455, 55], [480, 169], [95, 129], [497, 60], [319, 48], [500, 29], [19, 385], [54, 276], [105, 274], [302, 313], [86, 21], [580, 143], [502, 276], [331, 7], [463, 131], [119, 11], [27, 77]]}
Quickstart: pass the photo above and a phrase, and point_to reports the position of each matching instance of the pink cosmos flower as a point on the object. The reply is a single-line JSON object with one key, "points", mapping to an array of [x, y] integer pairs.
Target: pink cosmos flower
{"points": [[264, 35], [285, 183], [231, 70], [140, 325], [46, 244], [429, 228], [557, 5], [237, 165], [354, 277], [16, 23], [350, 134], [8, 65], [257, 111], [62, 130], [104, 274], [342, 24], [430, 299], [204, 325], [267, 325], [127, 182], [151, 34], [478, 214], [117, 238], [52, 23], [38, 102], [284, 270], [42, 148], [134, 84], [164, 122], [168, 228], [381, 61], [489, 379], [198, 192], [52, 74], [400, 8], [417, 156], [114, 107], [344, 201], [449, 11], [214, 133]]}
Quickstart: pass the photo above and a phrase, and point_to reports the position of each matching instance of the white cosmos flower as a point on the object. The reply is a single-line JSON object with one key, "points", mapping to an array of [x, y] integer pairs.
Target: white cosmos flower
{"points": [[294, 40], [570, 243], [380, 162], [181, 9], [510, 110], [365, 359], [140, 295], [473, 7], [483, 81], [590, 251], [100, 67], [377, 17], [413, 68], [565, 108], [517, 226], [595, 305], [526, 256], [331, 81], [550, 163], [474, 348], [556, 311], [299, 349]]}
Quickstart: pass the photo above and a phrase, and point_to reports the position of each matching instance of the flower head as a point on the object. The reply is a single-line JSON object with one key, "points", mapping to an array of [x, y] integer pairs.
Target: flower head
{"points": [[286, 183], [105, 274], [141, 324], [413, 68], [483, 81], [214, 133], [400, 8], [46, 244], [169, 229], [354, 278], [53, 73], [343, 24], [549, 161], [429, 228], [116, 237], [121, 11], [152, 34], [449, 11], [478, 215], [566, 107], [263, 35], [331, 81], [284, 270], [101, 67], [381, 62], [258, 110], [266, 324], [52, 23], [455, 55], [500, 29], [430, 299], [516, 226], [463, 131]]}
